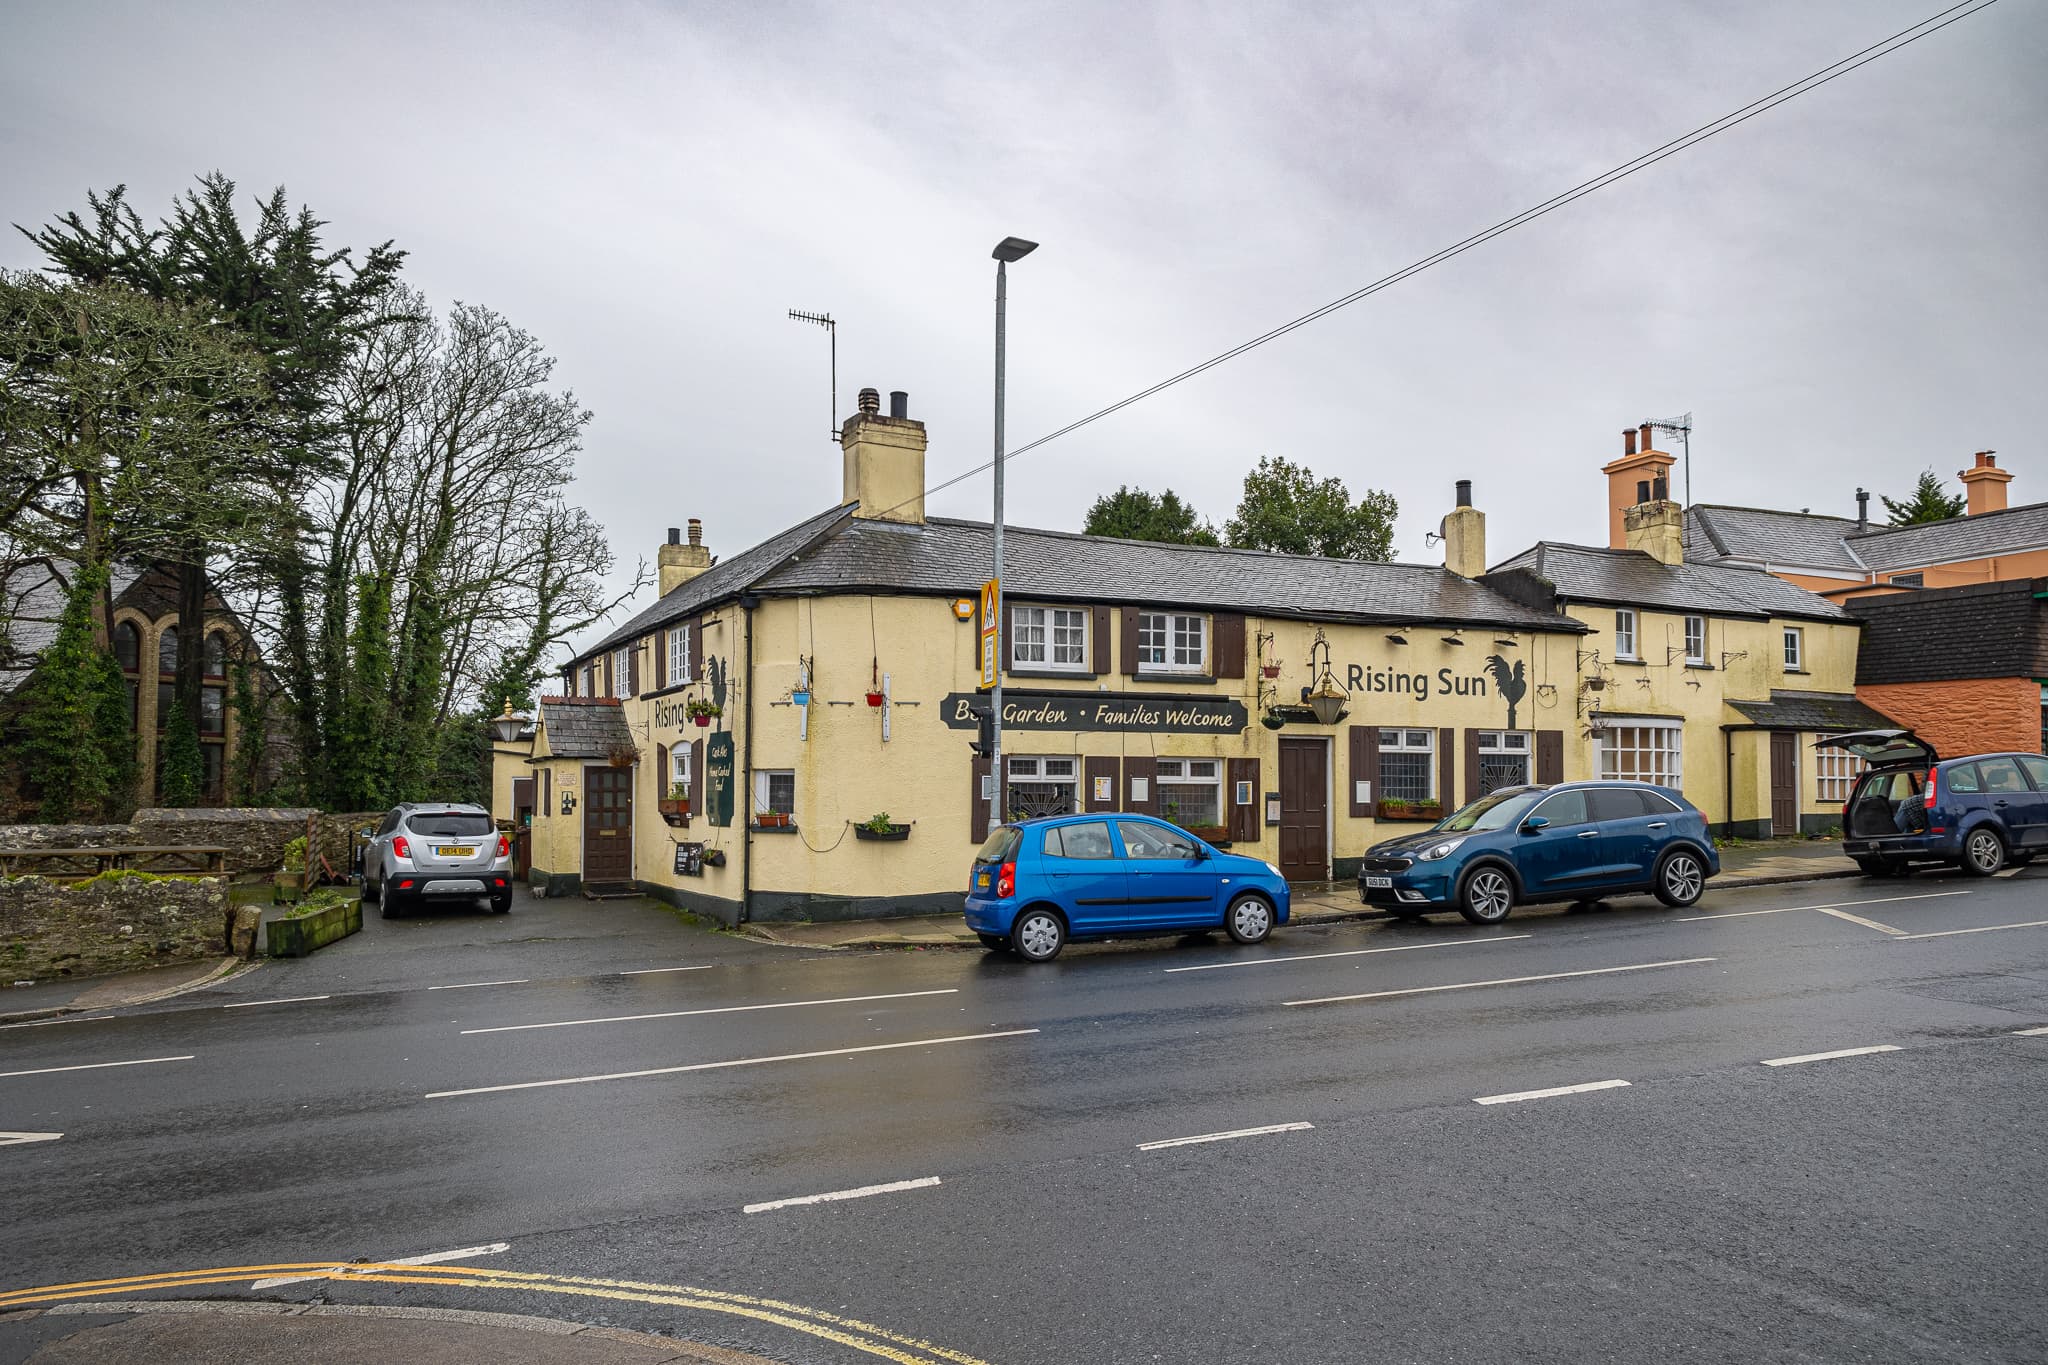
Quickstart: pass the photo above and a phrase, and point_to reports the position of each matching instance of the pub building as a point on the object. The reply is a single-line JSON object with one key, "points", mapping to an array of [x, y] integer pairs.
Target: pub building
{"points": [[789, 733]]}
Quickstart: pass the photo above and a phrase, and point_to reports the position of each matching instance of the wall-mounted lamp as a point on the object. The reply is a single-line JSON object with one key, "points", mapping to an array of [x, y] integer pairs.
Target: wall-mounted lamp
{"points": [[1453, 638], [507, 727], [1506, 642], [1395, 637], [1328, 699]]}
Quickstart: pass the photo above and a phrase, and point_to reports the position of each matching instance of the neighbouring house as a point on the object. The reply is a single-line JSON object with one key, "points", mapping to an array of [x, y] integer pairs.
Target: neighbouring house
{"points": [[145, 643], [1965, 668]]}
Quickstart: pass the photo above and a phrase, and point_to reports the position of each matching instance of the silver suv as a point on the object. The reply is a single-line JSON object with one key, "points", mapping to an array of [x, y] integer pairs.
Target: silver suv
{"points": [[437, 851]]}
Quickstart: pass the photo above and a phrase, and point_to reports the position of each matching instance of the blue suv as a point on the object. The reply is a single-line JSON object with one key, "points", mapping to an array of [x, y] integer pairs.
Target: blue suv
{"points": [[1982, 812], [1038, 884], [1578, 841]]}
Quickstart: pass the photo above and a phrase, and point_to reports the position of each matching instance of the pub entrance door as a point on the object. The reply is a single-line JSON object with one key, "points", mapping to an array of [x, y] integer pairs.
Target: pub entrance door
{"points": [[1304, 810], [1784, 783], [607, 825]]}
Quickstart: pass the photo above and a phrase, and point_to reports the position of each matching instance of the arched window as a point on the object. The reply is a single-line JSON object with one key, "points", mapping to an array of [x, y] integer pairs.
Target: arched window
{"points": [[167, 650], [216, 655], [128, 646]]}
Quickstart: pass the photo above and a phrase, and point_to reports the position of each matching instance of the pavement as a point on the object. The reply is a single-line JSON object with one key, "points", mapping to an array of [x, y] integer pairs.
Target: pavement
{"points": [[1795, 1123]]}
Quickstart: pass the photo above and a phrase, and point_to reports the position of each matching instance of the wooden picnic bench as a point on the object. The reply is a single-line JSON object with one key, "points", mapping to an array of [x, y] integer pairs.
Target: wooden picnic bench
{"points": [[77, 864]]}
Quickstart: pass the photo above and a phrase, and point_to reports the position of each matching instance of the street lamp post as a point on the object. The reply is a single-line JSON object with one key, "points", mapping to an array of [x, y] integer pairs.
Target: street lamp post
{"points": [[1008, 250]]}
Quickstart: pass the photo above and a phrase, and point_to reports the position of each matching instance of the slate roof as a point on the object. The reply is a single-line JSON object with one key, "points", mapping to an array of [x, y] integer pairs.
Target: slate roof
{"points": [[951, 557], [1632, 578], [583, 727], [1982, 630], [1794, 540], [1836, 712], [726, 579]]}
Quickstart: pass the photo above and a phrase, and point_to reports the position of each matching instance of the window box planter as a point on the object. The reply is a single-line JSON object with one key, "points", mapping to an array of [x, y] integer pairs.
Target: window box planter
{"points": [[1209, 834], [1431, 811], [675, 812], [893, 834], [773, 819]]}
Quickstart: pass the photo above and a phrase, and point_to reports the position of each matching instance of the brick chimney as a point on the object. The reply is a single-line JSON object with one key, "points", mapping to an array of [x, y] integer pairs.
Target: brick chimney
{"points": [[1985, 483], [679, 563], [883, 459], [1464, 535], [1631, 480]]}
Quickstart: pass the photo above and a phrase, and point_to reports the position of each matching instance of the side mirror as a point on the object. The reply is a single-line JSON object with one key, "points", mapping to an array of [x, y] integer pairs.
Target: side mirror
{"points": [[1201, 852], [1536, 824]]}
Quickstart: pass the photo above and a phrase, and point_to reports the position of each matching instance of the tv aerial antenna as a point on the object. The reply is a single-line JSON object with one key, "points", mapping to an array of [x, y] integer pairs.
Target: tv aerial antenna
{"points": [[1681, 427], [832, 330]]}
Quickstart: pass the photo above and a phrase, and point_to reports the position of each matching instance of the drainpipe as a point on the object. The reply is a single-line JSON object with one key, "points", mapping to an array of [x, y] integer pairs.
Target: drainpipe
{"points": [[1728, 782], [744, 797]]}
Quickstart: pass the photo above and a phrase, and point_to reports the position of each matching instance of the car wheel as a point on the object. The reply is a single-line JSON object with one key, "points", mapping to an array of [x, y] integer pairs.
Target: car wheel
{"points": [[1404, 915], [502, 904], [1038, 935], [1878, 867], [1681, 877], [390, 910], [372, 892], [1486, 895], [1983, 852], [995, 943], [1249, 919]]}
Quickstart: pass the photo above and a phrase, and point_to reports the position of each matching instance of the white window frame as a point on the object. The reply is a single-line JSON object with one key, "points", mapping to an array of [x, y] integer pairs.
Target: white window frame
{"points": [[1033, 768], [1695, 646], [764, 789], [678, 770], [1166, 634], [1405, 742], [1625, 642], [1513, 743], [678, 655], [1794, 638], [1176, 775], [1054, 628], [1657, 747], [1835, 773], [622, 671]]}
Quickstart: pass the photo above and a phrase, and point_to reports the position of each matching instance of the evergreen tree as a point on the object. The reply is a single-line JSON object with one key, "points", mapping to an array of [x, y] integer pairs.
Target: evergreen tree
{"points": [[77, 745], [181, 775], [1135, 514], [1288, 510], [1928, 503], [358, 775]]}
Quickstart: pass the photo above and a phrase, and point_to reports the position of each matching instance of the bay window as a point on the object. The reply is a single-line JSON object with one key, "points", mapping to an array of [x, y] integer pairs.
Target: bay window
{"points": [[1643, 753]]}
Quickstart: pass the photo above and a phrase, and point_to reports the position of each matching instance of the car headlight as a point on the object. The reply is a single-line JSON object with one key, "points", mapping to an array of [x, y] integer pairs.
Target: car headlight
{"points": [[1274, 870], [1442, 850]]}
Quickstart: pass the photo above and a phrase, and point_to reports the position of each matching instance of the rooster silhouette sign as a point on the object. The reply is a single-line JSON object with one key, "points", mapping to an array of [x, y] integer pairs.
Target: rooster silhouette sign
{"points": [[1510, 682]]}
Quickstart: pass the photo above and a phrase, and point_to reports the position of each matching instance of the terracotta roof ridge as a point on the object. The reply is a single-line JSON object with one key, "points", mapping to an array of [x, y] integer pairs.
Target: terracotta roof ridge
{"points": [[582, 701]]}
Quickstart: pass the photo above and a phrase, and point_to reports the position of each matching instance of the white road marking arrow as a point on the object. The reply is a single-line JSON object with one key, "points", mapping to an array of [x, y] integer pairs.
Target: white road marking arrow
{"points": [[14, 1139], [431, 1258]]}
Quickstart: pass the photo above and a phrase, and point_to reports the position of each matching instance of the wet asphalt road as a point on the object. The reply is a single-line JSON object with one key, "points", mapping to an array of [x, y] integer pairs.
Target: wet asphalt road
{"points": [[1883, 1207]]}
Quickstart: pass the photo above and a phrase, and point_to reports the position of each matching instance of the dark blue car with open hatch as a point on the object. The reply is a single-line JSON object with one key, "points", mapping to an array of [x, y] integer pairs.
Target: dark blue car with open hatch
{"points": [[1036, 885], [1575, 841]]}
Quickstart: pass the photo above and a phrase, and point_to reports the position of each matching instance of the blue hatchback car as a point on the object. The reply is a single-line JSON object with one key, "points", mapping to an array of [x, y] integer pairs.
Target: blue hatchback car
{"points": [[1038, 884], [1576, 841], [1981, 812]]}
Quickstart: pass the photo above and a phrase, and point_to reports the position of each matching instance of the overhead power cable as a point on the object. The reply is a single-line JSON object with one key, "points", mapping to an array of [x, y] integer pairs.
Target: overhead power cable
{"points": [[1905, 36]]}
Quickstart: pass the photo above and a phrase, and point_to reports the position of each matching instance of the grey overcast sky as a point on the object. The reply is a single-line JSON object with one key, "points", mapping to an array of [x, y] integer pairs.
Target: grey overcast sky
{"points": [[1847, 290]]}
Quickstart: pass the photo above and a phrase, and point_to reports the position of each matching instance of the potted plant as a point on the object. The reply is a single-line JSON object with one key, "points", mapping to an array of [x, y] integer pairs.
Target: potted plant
{"points": [[879, 827], [288, 884], [675, 807], [1411, 810], [622, 756], [1272, 720], [701, 712], [772, 819], [1213, 834], [875, 698], [1271, 670]]}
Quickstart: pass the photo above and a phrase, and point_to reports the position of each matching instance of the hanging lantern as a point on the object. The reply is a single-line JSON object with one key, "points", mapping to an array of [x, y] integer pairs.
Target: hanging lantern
{"points": [[1327, 699]]}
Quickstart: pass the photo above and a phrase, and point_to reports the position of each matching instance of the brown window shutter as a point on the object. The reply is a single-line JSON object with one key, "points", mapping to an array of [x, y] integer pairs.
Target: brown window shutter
{"points": [[696, 776], [1092, 769], [1147, 767], [540, 807], [607, 684], [1228, 659], [1447, 779], [1471, 765], [633, 668], [1549, 756], [661, 772], [1006, 646], [1127, 642], [977, 807], [696, 629], [1365, 767], [660, 659], [1098, 642], [1242, 821]]}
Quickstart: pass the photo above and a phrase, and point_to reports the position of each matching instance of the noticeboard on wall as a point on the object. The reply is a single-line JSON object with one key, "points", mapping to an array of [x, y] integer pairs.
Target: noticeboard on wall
{"points": [[689, 860]]}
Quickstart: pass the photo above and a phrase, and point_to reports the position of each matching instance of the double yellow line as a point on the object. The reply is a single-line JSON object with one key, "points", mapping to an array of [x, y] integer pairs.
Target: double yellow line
{"points": [[850, 1332]]}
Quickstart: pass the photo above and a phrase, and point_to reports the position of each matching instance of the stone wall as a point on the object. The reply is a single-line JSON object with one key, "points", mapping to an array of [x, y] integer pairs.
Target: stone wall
{"points": [[68, 836], [254, 837], [112, 923]]}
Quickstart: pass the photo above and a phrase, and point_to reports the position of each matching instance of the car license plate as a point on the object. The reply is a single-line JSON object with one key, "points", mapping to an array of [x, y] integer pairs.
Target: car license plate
{"points": [[456, 851], [1379, 883], [981, 879]]}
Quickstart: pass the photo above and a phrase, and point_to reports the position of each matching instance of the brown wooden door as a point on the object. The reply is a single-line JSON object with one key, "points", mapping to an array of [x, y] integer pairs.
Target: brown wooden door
{"points": [[1304, 810], [607, 824], [1784, 783]]}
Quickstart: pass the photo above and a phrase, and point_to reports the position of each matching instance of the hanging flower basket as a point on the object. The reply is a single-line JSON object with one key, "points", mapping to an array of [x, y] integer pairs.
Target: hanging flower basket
{"points": [[800, 697], [1272, 720], [874, 699], [1270, 670], [701, 712], [623, 756], [892, 834]]}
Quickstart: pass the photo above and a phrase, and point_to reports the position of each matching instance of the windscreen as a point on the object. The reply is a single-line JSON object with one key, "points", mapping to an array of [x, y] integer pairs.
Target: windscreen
{"points": [[452, 824], [1000, 845], [1495, 811]]}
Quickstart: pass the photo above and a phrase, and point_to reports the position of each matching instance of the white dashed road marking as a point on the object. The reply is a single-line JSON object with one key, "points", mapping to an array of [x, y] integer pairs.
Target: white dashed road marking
{"points": [[921, 1183], [1224, 1137], [1830, 1056], [1503, 981], [516, 981], [94, 1066], [2030, 1032], [288, 1000], [1858, 919], [1946, 933], [1831, 905], [1520, 1095], [651, 971], [17, 1139], [722, 1009], [1353, 952]]}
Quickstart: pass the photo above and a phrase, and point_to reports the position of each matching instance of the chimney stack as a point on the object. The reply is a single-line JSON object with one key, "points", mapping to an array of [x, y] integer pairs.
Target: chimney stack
{"points": [[1862, 509], [882, 459], [1464, 535], [1633, 480], [1985, 483], [677, 563]]}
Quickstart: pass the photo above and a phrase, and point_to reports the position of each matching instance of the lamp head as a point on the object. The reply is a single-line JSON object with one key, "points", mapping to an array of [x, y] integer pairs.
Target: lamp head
{"points": [[1012, 249]]}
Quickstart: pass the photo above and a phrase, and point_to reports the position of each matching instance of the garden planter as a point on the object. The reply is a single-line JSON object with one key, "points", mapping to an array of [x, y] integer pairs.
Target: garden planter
{"points": [[1397, 810], [675, 812], [298, 935], [287, 888], [890, 835], [773, 819]]}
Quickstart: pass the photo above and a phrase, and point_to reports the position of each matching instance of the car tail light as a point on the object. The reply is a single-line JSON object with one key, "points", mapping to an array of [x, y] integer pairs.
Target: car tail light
{"points": [[504, 847], [405, 885], [1932, 773], [1006, 880], [498, 880], [399, 847]]}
